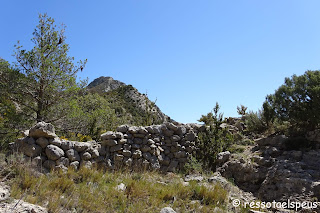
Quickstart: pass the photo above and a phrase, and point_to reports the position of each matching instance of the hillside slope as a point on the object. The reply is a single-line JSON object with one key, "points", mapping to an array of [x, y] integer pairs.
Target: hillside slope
{"points": [[128, 103]]}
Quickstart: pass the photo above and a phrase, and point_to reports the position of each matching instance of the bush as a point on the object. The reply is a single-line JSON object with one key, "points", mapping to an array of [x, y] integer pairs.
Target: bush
{"points": [[255, 122], [214, 139], [297, 101]]}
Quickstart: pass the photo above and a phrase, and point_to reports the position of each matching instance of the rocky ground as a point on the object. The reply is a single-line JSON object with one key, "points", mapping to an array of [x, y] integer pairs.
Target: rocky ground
{"points": [[272, 172]]}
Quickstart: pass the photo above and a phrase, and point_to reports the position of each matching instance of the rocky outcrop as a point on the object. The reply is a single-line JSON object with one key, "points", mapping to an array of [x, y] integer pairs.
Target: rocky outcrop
{"points": [[165, 147], [105, 84], [271, 172]]}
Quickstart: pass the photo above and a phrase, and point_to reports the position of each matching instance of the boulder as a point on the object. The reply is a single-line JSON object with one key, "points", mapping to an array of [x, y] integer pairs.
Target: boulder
{"points": [[65, 145], [81, 146], [73, 155], [109, 142], [223, 157], [63, 161], [75, 165], [43, 142], [137, 154], [122, 128], [53, 152], [108, 135], [32, 150], [85, 156], [42, 129]]}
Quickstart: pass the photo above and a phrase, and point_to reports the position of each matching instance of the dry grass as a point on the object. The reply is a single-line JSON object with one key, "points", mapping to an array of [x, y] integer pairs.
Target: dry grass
{"points": [[92, 190]]}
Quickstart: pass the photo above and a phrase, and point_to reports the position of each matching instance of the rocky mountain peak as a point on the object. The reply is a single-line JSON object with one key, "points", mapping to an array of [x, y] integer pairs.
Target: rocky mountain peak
{"points": [[105, 84]]}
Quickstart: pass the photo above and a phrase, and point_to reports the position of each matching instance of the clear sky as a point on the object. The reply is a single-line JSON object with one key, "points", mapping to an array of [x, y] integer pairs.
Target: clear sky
{"points": [[185, 54]]}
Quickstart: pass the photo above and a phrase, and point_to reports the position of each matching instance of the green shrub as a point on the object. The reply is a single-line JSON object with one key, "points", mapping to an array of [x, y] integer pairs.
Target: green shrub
{"points": [[297, 101], [214, 139]]}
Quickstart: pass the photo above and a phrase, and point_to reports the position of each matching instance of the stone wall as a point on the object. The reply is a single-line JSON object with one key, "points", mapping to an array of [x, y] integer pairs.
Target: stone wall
{"points": [[163, 147]]}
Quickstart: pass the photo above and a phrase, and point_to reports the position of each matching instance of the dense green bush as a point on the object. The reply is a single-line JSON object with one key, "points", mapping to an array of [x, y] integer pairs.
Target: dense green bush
{"points": [[297, 101]]}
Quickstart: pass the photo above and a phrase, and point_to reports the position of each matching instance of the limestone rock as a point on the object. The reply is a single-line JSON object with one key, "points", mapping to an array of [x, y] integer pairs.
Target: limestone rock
{"points": [[73, 155], [85, 156], [81, 146], [32, 150], [43, 142], [53, 152], [223, 157], [42, 129]]}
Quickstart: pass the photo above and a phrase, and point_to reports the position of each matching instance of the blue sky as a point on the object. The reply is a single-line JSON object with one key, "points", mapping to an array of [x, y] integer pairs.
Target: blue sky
{"points": [[185, 54]]}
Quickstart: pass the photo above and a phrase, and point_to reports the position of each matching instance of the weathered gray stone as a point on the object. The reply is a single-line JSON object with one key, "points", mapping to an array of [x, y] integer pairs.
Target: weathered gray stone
{"points": [[31, 150], [73, 155], [75, 165], [126, 146], [109, 142], [123, 141], [55, 141], [94, 152], [63, 161], [137, 154], [147, 155], [42, 129], [154, 163], [122, 128], [133, 129], [65, 145], [167, 210], [126, 153], [137, 141], [116, 148], [81, 146], [190, 136], [43, 142], [128, 162], [223, 157], [53, 152], [85, 156], [108, 135], [86, 164], [119, 135], [39, 160]]}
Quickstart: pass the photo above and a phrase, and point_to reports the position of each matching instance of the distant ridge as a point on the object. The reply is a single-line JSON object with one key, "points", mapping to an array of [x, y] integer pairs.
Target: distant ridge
{"points": [[128, 102]]}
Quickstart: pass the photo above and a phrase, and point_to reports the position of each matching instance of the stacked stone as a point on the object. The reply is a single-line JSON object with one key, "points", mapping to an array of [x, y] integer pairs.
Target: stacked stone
{"points": [[165, 147], [46, 149]]}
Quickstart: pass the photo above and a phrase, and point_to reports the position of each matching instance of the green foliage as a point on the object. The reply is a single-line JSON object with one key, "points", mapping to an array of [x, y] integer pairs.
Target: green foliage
{"points": [[46, 74], [255, 122], [12, 117], [297, 101], [88, 114], [193, 166], [214, 139], [91, 190], [242, 110], [128, 111]]}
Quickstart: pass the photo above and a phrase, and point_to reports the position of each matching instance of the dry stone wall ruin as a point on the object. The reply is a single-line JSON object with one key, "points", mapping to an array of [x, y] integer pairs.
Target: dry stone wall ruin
{"points": [[163, 147]]}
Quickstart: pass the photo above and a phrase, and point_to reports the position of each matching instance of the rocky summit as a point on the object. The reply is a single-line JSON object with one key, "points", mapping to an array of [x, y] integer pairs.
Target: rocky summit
{"points": [[105, 84], [127, 100]]}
